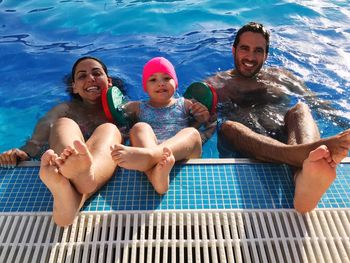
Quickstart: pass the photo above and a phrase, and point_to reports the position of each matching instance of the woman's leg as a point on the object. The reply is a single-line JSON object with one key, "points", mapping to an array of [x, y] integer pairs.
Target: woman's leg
{"points": [[81, 169]]}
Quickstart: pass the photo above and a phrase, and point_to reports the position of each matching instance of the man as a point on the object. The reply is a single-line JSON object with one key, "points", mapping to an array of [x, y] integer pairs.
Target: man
{"points": [[256, 118]]}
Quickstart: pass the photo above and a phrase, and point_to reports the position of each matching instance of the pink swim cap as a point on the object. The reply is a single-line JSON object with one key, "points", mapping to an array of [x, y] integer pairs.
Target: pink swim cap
{"points": [[158, 65]]}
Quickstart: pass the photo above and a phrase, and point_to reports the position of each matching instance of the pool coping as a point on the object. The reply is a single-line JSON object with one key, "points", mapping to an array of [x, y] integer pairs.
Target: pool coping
{"points": [[195, 161]]}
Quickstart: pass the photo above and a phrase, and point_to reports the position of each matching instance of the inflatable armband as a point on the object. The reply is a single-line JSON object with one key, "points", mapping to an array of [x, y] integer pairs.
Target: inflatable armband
{"points": [[112, 102], [203, 93]]}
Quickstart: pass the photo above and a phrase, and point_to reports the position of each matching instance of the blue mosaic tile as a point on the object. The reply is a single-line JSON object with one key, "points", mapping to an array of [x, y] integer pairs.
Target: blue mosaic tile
{"points": [[192, 186]]}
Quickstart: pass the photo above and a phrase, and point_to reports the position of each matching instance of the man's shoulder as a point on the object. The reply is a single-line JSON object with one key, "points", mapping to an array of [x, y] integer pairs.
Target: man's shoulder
{"points": [[284, 78], [278, 71], [223, 73], [219, 78]]}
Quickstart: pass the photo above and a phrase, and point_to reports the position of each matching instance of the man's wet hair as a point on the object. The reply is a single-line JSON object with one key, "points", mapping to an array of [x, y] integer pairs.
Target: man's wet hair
{"points": [[255, 28], [69, 78]]}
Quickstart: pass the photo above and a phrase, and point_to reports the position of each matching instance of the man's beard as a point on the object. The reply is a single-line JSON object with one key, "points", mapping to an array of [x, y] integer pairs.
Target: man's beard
{"points": [[247, 74]]}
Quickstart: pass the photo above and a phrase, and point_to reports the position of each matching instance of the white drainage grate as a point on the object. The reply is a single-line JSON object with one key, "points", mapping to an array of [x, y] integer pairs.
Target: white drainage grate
{"points": [[179, 236]]}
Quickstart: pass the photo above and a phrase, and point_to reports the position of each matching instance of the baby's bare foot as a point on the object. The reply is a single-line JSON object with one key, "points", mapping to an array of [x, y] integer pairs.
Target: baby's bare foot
{"points": [[135, 158], [159, 174]]}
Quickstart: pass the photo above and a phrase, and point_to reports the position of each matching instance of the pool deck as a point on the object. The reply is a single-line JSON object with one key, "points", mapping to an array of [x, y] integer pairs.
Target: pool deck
{"points": [[213, 189]]}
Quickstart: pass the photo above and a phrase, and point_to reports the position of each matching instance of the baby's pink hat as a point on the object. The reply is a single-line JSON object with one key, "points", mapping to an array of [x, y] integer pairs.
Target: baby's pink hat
{"points": [[158, 65]]}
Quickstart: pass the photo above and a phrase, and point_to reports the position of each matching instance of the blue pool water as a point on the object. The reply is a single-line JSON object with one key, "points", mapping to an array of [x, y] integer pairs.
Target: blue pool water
{"points": [[40, 40]]}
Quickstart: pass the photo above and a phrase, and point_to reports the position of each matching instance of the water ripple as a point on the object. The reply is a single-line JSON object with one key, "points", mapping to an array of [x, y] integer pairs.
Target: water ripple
{"points": [[40, 40]]}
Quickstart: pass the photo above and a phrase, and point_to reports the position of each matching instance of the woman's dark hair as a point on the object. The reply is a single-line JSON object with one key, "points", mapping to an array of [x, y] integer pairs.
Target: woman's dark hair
{"points": [[255, 28], [84, 58], [69, 78]]}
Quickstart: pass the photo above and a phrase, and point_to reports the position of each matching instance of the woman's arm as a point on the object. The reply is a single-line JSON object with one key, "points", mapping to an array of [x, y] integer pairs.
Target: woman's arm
{"points": [[42, 129], [38, 139]]}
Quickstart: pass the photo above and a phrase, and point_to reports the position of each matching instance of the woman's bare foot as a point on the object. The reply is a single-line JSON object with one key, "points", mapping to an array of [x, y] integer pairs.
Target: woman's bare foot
{"points": [[67, 201], [159, 174], [76, 164], [314, 179], [135, 158]]}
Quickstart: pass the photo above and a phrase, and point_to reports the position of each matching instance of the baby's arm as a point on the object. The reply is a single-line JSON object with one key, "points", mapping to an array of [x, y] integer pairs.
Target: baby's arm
{"points": [[202, 116], [199, 112], [132, 109]]}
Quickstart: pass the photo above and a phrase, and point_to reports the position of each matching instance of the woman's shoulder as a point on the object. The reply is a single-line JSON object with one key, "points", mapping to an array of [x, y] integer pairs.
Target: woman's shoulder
{"points": [[60, 108]]}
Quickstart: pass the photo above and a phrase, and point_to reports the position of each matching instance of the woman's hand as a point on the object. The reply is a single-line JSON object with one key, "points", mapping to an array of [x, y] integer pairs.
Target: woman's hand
{"points": [[9, 159]]}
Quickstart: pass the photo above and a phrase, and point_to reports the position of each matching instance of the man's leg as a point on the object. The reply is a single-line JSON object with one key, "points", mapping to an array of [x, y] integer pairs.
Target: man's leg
{"points": [[267, 149], [300, 125], [305, 151], [316, 174]]}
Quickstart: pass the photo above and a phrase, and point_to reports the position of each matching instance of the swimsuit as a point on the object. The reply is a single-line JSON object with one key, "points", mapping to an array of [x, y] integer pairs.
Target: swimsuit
{"points": [[167, 121]]}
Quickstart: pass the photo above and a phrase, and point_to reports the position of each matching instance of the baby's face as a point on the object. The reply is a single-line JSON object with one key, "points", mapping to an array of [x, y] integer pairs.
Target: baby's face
{"points": [[160, 87]]}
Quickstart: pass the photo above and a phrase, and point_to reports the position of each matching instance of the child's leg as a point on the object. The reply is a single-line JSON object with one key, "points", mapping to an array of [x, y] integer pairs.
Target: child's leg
{"points": [[157, 160], [186, 144], [159, 174], [145, 153]]}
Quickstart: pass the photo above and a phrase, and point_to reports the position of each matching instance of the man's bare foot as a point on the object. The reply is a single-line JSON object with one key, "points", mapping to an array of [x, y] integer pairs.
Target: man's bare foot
{"points": [[67, 201], [76, 164], [314, 179], [159, 174], [135, 158], [338, 146]]}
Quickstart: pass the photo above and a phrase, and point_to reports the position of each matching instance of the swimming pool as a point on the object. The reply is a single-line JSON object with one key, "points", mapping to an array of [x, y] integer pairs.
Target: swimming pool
{"points": [[40, 41]]}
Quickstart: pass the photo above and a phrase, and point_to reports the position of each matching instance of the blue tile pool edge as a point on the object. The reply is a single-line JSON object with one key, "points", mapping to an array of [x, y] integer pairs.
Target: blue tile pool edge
{"points": [[213, 184], [194, 161]]}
